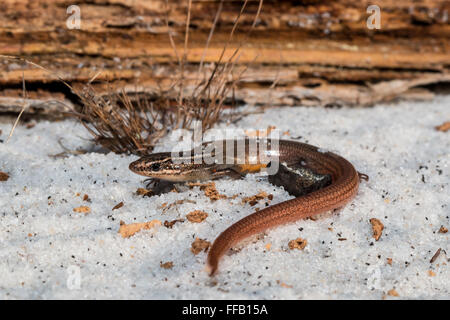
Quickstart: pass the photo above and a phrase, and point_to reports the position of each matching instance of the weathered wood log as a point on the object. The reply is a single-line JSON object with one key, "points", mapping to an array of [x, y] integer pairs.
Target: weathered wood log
{"points": [[318, 52]]}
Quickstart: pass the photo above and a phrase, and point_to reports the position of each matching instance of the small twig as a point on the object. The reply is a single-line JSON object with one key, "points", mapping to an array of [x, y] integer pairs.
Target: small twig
{"points": [[436, 255], [205, 49], [66, 151], [25, 105]]}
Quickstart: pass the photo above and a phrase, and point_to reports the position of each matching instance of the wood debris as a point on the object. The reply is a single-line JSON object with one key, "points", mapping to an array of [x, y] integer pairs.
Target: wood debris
{"points": [[4, 176], [200, 245], [209, 189], [393, 293], [166, 265], [436, 255], [117, 206], [254, 199], [128, 230], [298, 243], [377, 228], [443, 127], [144, 192], [283, 285], [30, 125], [169, 224], [443, 229], [82, 209], [196, 216]]}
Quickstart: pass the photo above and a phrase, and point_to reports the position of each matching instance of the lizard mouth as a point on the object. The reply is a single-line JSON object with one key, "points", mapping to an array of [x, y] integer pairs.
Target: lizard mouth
{"points": [[138, 167], [154, 170]]}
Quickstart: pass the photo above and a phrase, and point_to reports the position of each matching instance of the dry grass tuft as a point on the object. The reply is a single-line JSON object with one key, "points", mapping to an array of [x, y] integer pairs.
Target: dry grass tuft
{"points": [[127, 123], [134, 122], [123, 123]]}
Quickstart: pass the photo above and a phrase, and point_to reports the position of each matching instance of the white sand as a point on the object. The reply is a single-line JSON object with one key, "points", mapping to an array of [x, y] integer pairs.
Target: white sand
{"points": [[42, 240]]}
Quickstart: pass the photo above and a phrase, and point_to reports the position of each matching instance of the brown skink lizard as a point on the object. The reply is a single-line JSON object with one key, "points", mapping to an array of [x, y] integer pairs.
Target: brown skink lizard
{"points": [[192, 166]]}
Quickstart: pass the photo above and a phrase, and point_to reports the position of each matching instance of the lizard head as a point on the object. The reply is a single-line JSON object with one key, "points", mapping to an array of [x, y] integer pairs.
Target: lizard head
{"points": [[158, 166]]}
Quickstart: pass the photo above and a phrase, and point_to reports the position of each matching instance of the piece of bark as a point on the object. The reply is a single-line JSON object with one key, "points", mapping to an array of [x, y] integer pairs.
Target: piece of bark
{"points": [[319, 52], [196, 216], [199, 245], [4, 176], [377, 228], [128, 230], [298, 243]]}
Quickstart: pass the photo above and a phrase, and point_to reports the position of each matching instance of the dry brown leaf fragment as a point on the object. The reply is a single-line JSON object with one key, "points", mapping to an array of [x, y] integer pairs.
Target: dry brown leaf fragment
{"points": [[144, 192], [166, 265], [169, 224], [298, 243], [443, 229], [196, 216], [4, 176], [252, 202], [117, 206], [86, 198], [377, 228], [443, 127], [199, 245], [283, 285], [393, 293], [213, 194], [128, 230], [30, 125], [209, 189], [254, 199], [431, 273], [389, 261], [82, 209]]}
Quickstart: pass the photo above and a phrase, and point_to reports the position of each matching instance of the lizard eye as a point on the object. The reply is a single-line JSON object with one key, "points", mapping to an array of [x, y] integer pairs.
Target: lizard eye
{"points": [[155, 166]]}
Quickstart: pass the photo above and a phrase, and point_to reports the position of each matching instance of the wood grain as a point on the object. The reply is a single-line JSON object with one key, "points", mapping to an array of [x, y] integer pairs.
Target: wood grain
{"points": [[319, 52]]}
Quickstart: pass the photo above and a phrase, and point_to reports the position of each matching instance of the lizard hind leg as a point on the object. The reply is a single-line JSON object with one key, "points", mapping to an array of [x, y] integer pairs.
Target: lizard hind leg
{"points": [[151, 183], [157, 186]]}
